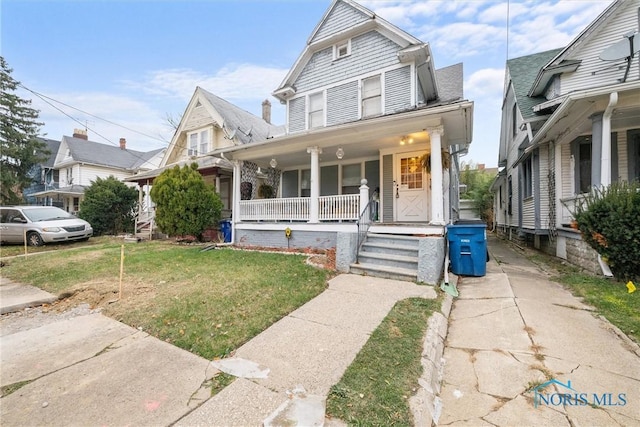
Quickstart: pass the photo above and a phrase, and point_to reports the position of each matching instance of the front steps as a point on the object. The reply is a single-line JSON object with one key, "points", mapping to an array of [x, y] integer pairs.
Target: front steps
{"points": [[390, 256]]}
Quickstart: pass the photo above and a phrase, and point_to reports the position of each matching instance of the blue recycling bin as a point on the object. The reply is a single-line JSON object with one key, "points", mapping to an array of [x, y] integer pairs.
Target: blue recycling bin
{"points": [[225, 229], [468, 248]]}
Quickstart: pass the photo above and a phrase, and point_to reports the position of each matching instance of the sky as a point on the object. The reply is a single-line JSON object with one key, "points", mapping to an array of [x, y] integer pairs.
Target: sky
{"points": [[125, 69]]}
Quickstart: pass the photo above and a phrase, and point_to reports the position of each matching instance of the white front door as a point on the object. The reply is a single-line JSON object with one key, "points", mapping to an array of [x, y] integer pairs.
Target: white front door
{"points": [[410, 188]]}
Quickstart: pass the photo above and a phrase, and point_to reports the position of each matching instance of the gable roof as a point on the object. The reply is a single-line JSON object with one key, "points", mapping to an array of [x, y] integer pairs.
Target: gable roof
{"points": [[523, 72], [450, 83], [558, 63], [84, 151], [362, 20], [245, 126], [52, 146]]}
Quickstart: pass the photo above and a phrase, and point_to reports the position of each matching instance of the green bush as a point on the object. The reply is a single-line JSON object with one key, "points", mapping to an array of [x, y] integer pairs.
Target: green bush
{"points": [[185, 204], [109, 206], [608, 219]]}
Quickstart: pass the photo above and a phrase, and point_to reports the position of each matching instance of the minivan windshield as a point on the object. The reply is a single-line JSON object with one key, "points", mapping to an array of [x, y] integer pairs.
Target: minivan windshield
{"points": [[46, 214]]}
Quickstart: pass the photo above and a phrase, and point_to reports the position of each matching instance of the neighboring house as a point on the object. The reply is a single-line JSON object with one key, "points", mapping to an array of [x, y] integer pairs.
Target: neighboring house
{"points": [[210, 123], [44, 175], [77, 162], [570, 122]]}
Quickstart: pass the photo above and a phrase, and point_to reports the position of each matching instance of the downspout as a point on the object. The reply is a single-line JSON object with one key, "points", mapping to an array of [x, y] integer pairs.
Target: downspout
{"points": [[605, 164]]}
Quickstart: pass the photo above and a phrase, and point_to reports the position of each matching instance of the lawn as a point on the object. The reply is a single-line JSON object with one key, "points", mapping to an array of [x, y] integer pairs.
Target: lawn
{"points": [[206, 302], [375, 389]]}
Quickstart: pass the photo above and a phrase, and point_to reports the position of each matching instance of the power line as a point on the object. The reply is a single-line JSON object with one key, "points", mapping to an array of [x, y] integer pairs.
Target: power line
{"points": [[47, 99]]}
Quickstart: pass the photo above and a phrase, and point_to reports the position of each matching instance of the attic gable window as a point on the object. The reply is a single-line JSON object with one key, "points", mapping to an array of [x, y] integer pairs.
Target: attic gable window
{"points": [[198, 142], [341, 50]]}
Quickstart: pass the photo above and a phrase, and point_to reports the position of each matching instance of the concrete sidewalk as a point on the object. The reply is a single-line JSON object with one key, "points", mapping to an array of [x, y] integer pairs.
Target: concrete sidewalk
{"points": [[16, 296], [514, 330], [83, 368], [305, 353]]}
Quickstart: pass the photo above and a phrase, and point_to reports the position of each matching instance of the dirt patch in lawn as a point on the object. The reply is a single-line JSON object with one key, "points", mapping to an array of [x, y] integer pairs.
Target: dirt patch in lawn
{"points": [[106, 296]]}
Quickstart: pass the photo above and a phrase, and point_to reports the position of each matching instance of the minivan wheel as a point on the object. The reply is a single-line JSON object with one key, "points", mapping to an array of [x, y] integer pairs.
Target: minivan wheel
{"points": [[34, 239]]}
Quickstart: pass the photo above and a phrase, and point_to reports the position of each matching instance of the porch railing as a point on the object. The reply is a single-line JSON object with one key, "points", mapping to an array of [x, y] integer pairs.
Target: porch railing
{"points": [[364, 222], [337, 208], [568, 207], [285, 209], [343, 207]]}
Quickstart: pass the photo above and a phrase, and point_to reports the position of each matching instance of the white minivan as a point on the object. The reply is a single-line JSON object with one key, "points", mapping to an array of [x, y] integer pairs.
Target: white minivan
{"points": [[40, 225]]}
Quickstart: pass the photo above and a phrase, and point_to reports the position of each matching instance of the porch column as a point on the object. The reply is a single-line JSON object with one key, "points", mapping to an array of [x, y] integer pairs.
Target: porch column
{"points": [[437, 197], [605, 160], [596, 149], [315, 184], [218, 184], [235, 212]]}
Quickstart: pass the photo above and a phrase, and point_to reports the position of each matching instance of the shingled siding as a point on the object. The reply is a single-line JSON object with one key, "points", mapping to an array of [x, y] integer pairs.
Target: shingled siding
{"points": [[341, 18], [397, 90], [369, 52], [198, 118], [342, 103], [296, 114]]}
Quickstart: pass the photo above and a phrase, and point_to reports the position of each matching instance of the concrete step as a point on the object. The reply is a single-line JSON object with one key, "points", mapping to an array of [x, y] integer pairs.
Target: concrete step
{"points": [[393, 239], [384, 272], [389, 248], [390, 260]]}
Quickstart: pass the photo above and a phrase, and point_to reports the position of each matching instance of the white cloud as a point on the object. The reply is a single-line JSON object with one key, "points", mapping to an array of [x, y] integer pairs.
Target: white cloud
{"points": [[464, 39], [233, 81], [487, 82]]}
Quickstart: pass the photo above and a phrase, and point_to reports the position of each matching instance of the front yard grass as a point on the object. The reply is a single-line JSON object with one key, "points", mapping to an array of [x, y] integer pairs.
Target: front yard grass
{"points": [[376, 387], [208, 303]]}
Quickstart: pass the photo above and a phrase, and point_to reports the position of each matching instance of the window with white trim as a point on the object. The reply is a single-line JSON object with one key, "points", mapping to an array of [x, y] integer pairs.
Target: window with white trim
{"points": [[527, 175], [198, 142], [316, 110], [371, 96], [341, 50]]}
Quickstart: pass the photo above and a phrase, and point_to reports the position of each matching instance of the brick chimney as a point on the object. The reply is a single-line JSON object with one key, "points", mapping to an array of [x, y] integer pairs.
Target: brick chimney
{"points": [[266, 111], [123, 144], [80, 134]]}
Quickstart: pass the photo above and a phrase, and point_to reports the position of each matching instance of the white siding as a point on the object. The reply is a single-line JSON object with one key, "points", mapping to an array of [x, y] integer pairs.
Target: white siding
{"points": [[198, 118], [341, 18], [568, 184], [624, 20], [623, 155], [544, 187], [342, 103], [528, 213], [397, 90], [89, 173], [369, 52]]}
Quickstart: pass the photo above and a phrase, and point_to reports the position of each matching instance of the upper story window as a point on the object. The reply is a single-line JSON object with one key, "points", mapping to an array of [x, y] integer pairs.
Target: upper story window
{"points": [[371, 96], [514, 120], [341, 50], [198, 142], [316, 110]]}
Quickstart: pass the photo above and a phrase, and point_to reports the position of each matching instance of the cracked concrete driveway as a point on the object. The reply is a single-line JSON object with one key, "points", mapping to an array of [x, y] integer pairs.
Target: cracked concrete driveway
{"points": [[88, 369], [513, 330]]}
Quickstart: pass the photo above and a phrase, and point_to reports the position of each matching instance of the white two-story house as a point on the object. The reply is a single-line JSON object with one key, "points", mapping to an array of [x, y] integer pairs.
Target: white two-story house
{"points": [[570, 122], [365, 105]]}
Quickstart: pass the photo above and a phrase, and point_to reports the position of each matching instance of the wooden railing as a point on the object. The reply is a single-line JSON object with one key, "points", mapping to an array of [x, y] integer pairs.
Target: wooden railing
{"points": [[338, 208], [286, 209], [330, 208]]}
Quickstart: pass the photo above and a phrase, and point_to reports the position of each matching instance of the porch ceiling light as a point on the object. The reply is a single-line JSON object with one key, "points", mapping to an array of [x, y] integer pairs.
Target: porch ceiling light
{"points": [[406, 140], [273, 163], [340, 153]]}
